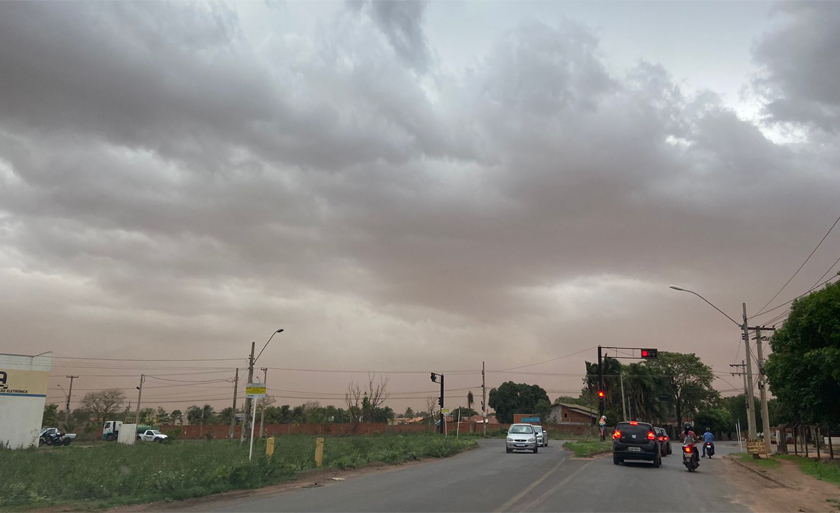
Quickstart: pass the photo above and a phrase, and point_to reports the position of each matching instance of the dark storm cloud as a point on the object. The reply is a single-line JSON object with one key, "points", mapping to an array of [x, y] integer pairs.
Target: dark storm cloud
{"points": [[157, 170], [802, 65]]}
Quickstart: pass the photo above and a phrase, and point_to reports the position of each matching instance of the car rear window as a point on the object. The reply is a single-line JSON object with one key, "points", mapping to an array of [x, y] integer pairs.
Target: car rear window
{"points": [[640, 430]]}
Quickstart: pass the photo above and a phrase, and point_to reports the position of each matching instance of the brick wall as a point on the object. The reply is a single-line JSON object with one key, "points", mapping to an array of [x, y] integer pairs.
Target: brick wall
{"points": [[221, 432]]}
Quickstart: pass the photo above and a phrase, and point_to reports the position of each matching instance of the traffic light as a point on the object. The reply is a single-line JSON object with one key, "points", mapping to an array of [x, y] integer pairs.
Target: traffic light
{"points": [[434, 378], [600, 394], [649, 353], [440, 401]]}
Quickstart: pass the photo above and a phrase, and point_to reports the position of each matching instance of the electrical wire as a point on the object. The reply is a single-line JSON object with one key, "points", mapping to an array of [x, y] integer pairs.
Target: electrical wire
{"points": [[548, 361], [152, 360], [761, 310], [794, 299]]}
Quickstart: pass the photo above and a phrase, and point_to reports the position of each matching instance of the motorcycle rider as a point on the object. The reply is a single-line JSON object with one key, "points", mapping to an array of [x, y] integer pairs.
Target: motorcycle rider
{"points": [[708, 437], [689, 436]]}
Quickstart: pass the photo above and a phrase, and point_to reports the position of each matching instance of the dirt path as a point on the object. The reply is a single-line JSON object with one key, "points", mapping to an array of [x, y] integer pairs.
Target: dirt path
{"points": [[800, 492]]}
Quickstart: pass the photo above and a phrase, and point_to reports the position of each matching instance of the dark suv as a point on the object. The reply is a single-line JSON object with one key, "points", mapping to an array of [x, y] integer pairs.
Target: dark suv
{"points": [[636, 441]]}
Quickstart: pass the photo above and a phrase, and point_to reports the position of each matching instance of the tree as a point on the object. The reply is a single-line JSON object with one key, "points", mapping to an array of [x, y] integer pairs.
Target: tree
{"points": [[409, 413], [470, 400], [718, 420], [513, 398], [543, 409], [177, 416], [464, 413], [50, 418], [194, 415], [363, 403], [162, 416], [104, 403], [804, 368], [689, 381]]}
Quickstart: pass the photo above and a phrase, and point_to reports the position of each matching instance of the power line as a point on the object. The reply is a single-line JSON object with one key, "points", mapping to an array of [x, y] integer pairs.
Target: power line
{"points": [[794, 299], [148, 360], [547, 361], [761, 310], [825, 273]]}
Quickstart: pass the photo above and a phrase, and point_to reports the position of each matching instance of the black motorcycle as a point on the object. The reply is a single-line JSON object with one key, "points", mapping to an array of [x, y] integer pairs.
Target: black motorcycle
{"points": [[55, 438], [710, 449]]}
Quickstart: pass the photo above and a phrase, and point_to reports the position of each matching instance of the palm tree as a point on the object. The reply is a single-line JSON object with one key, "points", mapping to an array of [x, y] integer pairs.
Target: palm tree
{"points": [[470, 400]]}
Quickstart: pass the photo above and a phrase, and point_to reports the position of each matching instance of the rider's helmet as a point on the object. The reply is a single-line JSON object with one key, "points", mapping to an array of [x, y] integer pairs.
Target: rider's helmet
{"points": [[688, 425], [707, 430]]}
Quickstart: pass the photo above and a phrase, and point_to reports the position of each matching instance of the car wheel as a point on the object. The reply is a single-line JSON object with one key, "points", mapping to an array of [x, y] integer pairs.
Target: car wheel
{"points": [[657, 462], [536, 449], [508, 450], [616, 460]]}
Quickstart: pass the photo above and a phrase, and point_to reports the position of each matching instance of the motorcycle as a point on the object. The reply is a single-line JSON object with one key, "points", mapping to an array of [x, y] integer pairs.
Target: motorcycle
{"points": [[690, 459], [710, 449], [54, 439]]}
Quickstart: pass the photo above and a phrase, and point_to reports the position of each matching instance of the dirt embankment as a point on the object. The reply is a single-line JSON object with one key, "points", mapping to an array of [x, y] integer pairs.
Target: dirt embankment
{"points": [[789, 490]]}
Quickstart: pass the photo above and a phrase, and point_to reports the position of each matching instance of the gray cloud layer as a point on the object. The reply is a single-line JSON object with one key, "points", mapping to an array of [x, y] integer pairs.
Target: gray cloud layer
{"points": [[159, 172]]}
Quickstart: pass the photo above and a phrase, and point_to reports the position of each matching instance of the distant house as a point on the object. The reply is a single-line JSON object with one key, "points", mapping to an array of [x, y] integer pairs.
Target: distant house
{"points": [[573, 414]]}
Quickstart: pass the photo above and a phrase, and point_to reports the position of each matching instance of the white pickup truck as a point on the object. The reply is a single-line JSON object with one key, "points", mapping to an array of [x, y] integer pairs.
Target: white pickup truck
{"points": [[152, 435]]}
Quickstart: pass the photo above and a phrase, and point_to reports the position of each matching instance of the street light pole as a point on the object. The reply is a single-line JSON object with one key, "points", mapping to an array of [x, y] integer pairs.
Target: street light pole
{"points": [[746, 336], [249, 403]]}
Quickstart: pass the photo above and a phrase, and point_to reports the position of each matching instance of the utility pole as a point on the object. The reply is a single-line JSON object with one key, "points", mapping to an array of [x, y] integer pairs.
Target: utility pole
{"points": [[442, 417], [139, 396], [484, 400], [262, 410], [601, 398], [762, 388], [623, 410], [751, 393], [68, 396], [233, 412], [249, 403]]}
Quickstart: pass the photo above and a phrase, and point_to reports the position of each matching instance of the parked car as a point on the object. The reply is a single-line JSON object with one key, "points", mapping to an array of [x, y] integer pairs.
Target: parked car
{"points": [[54, 436], [636, 441], [152, 435], [664, 441], [521, 437], [542, 436]]}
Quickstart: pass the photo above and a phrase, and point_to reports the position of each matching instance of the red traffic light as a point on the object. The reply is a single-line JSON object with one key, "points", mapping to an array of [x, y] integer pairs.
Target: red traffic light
{"points": [[649, 353], [601, 394]]}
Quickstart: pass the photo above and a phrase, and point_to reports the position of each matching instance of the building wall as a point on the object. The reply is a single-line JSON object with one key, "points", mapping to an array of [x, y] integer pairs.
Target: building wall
{"points": [[23, 392], [562, 415]]}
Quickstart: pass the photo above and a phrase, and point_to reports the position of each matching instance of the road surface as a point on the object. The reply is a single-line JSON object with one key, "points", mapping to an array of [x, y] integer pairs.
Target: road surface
{"points": [[488, 479]]}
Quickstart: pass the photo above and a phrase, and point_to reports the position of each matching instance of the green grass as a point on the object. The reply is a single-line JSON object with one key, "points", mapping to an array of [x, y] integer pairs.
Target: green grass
{"points": [[764, 462], [585, 449], [113, 474], [824, 470]]}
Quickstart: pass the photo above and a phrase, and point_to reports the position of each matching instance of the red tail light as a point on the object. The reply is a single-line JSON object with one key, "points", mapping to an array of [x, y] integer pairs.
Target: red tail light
{"points": [[651, 435], [634, 422], [617, 434], [687, 449], [666, 438], [661, 438]]}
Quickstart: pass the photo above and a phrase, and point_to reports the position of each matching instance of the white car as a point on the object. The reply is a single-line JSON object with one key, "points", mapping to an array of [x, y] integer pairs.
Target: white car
{"points": [[152, 435], [542, 436], [521, 437]]}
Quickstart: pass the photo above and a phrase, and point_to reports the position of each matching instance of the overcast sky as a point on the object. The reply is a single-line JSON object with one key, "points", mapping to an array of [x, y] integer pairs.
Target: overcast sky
{"points": [[405, 186]]}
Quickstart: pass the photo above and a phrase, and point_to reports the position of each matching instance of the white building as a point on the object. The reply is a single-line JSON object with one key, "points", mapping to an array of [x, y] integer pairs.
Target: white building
{"points": [[23, 392]]}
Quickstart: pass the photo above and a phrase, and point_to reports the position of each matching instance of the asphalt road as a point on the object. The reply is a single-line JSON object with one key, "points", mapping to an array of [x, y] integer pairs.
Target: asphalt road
{"points": [[487, 479]]}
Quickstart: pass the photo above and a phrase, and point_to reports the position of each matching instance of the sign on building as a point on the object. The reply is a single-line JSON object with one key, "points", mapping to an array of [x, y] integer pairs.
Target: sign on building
{"points": [[23, 392]]}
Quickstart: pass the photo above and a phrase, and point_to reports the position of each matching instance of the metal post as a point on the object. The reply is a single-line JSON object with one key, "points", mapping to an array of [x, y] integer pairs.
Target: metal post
{"points": [[139, 396], [817, 439], [601, 400], [253, 421], [233, 412], [262, 410], [623, 409], [762, 387], [484, 400], [442, 418], [830, 446], [249, 403], [751, 395]]}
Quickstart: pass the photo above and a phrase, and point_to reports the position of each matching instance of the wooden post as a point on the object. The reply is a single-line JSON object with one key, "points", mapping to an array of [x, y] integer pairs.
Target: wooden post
{"points": [[319, 452], [830, 446], [805, 434], [796, 439], [817, 429]]}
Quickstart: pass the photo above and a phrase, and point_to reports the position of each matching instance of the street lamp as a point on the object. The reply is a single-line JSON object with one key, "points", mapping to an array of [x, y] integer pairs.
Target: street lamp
{"points": [[746, 337], [266, 345]]}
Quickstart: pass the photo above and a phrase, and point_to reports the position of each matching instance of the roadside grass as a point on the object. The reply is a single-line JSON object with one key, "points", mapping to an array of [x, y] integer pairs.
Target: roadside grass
{"points": [[824, 470], [763, 462], [588, 448], [114, 474]]}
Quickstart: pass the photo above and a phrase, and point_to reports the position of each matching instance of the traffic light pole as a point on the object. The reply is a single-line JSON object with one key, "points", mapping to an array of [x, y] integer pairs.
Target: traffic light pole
{"points": [[601, 397], [442, 417]]}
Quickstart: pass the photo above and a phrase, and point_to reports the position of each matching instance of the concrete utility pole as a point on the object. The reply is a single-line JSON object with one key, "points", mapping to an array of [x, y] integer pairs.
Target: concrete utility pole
{"points": [[262, 410], [762, 388], [601, 400], [70, 393], [751, 394], [483, 399], [233, 413], [139, 396], [249, 403]]}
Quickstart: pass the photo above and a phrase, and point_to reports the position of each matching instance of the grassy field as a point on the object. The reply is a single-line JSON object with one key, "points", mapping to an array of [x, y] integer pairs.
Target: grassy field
{"points": [[763, 462], [824, 470], [587, 448], [114, 474]]}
